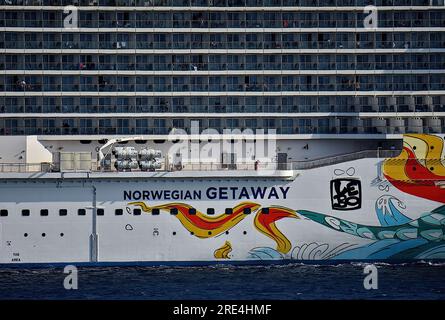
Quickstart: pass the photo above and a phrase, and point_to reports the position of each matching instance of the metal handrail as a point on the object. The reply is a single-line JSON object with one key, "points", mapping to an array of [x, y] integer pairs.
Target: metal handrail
{"points": [[203, 166], [24, 167], [325, 161]]}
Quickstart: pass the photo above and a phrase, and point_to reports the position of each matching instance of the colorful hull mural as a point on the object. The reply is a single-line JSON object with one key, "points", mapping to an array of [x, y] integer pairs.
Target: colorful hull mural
{"points": [[365, 209], [422, 238], [397, 237], [204, 226], [418, 171], [199, 224]]}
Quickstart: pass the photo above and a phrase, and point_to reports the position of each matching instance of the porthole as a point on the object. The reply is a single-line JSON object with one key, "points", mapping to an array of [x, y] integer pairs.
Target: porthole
{"points": [[26, 212], [265, 210], [25, 235], [62, 234], [118, 212], [228, 211], [244, 232], [192, 211], [174, 211], [227, 232], [247, 210], [100, 212], [63, 212], [432, 168], [414, 148], [3, 213], [209, 233], [414, 168], [432, 147], [137, 212], [192, 233], [210, 211], [174, 233], [155, 211], [44, 212], [44, 235], [82, 212]]}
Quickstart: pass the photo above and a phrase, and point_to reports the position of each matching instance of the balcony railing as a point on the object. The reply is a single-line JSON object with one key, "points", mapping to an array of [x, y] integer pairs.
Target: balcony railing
{"points": [[219, 3]]}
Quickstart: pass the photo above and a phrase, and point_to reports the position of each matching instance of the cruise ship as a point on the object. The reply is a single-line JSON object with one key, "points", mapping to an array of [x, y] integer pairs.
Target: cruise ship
{"points": [[221, 131]]}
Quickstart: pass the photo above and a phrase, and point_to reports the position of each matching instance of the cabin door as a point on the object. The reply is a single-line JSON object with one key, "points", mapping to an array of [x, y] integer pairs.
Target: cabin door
{"points": [[229, 160], [282, 161]]}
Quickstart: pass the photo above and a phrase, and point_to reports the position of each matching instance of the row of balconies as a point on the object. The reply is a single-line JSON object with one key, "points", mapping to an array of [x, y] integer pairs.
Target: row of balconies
{"points": [[223, 40], [205, 44], [223, 104], [218, 109], [229, 3], [225, 88], [221, 19], [189, 66], [165, 131], [392, 102], [255, 83], [225, 122]]}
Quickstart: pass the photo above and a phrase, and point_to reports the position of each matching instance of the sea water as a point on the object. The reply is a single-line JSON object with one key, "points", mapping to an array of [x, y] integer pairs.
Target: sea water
{"points": [[420, 280]]}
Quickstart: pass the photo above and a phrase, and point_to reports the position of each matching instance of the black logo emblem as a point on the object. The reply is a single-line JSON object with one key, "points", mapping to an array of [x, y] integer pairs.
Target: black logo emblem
{"points": [[346, 194]]}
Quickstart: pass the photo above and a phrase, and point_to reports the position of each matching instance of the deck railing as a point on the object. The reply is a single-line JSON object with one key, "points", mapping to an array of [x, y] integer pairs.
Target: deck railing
{"points": [[25, 167], [326, 161], [203, 166]]}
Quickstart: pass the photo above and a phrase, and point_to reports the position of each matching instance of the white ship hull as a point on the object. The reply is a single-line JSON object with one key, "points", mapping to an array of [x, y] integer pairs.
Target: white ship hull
{"points": [[314, 215]]}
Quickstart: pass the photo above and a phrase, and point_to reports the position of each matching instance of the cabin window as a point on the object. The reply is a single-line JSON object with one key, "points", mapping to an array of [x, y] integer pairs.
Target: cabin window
{"points": [[81, 212], [210, 211], [247, 210], [63, 212], [155, 211], [118, 212], [44, 212], [26, 212], [174, 211], [192, 211], [265, 210], [100, 212], [3, 213], [137, 212], [229, 210]]}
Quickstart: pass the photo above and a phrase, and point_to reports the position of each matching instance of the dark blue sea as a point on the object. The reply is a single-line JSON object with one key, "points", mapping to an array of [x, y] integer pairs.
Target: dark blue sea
{"points": [[290, 282]]}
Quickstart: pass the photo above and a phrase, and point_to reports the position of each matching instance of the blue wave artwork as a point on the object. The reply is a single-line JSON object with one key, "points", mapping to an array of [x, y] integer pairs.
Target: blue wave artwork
{"points": [[398, 237], [388, 210], [264, 253]]}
